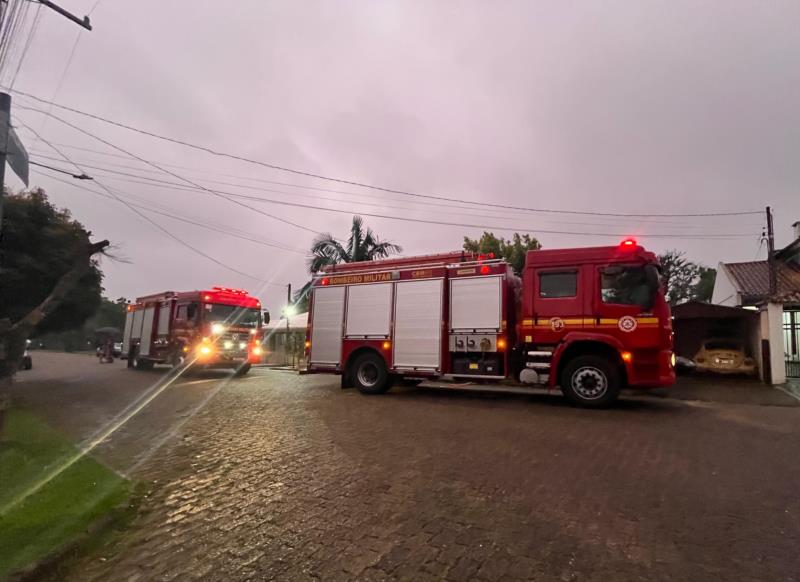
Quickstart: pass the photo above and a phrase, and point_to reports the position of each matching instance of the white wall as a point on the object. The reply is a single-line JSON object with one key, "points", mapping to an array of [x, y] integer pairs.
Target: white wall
{"points": [[724, 291], [772, 329]]}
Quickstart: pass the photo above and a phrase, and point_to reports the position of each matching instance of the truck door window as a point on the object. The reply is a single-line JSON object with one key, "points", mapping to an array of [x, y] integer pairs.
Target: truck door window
{"points": [[191, 311], [554, 285], [181, 312], [626, 286]]}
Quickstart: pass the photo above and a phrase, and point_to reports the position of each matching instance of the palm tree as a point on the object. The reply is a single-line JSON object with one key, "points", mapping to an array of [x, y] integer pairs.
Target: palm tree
{"points": [[362, 245]]}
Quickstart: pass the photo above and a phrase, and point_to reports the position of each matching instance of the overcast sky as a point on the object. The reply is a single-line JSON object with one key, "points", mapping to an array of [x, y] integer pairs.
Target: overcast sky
{"points": [[629, 106]]}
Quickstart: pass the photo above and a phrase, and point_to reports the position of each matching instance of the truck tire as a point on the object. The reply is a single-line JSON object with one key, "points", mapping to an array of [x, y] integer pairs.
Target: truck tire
{"points": [[369, 374], [141, 364], [242, 370], [590, 381]]}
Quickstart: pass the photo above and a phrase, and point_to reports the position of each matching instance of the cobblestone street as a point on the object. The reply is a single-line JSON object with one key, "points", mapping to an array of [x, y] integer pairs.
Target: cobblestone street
{"points": [[288, 477]]}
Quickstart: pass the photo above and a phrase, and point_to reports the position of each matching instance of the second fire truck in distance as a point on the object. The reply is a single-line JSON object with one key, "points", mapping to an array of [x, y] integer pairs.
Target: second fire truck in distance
{"points": [[216, 328], [590, 320]]}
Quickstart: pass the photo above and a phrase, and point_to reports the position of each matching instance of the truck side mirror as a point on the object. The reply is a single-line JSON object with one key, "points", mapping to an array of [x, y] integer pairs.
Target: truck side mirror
{"points": [[266, 317]]}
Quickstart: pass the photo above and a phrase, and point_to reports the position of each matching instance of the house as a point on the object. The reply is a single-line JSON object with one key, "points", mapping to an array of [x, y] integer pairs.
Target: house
{"points": [[747, 285], [285, 344]]}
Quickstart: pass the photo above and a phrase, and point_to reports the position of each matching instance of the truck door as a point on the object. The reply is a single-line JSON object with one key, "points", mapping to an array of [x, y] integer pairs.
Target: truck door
{"points": [[622, 298], [326, 325], [418, 315], [557, 302], [147, 330]]}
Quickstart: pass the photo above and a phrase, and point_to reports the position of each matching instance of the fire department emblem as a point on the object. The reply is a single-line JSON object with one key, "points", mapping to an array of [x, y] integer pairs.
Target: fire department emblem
{"points": [[627, 323], [556, 324]]}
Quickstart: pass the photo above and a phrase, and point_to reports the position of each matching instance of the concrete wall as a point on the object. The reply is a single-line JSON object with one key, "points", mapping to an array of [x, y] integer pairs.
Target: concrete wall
{"points": [[772, 329], [724, 291]]}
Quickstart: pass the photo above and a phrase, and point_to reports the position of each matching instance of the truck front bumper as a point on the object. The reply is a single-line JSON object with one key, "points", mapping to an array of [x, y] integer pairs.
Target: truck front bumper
{"points": [[650, 369]]}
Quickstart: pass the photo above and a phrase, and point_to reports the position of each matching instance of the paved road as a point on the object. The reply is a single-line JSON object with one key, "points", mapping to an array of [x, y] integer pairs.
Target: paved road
{"points": [[288, 477]]}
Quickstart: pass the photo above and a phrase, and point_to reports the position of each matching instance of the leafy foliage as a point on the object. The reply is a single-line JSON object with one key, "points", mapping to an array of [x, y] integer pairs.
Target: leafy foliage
{"points": [[513, 250], [685, 280], [110, 314], [362, 245], [40, 243]]}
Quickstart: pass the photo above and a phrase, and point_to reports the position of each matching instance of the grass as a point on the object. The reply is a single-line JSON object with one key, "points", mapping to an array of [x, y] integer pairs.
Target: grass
{"points": [[59, 511]]}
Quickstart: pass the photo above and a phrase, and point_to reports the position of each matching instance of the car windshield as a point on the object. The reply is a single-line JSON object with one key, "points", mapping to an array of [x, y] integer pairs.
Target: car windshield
{"points": [[626, 286], [232, 314], [723, 345]]}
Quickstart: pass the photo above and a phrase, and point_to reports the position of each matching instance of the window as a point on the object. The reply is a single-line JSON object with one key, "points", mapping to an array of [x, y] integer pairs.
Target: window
{"points": [[232, 314], [181, 313], [625, 286], [553, 285]]}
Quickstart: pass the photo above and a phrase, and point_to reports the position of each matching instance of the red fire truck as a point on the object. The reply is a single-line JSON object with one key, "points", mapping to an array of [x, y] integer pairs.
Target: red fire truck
{"points": [[590, 320], [217, 328]]}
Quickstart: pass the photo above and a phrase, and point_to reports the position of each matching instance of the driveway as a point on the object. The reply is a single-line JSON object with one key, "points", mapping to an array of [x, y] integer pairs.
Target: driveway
{"points": [[280, 476]]}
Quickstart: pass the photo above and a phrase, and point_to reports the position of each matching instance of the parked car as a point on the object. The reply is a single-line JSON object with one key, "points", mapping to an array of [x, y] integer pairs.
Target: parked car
{"points": [[117, 350], [27, 361], [724, 356]]}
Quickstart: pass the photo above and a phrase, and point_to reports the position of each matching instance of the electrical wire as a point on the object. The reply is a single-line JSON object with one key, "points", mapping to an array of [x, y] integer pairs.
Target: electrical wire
{"points": [[67, 172], [229, 195], [425, 205], [174, 214], [173, 174], [153, 222], [37, 17], [352, 182]]}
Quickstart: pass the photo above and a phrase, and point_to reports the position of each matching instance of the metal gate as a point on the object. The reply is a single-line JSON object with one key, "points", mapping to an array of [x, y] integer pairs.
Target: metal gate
{"points": [[791, 342]]}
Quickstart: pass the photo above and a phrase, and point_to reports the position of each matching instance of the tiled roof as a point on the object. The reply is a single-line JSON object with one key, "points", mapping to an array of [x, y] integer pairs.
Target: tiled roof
{"points": [[751, 279]]}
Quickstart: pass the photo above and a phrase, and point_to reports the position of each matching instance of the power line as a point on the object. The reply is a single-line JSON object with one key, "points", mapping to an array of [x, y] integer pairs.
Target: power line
{"points": [[424, 204], [352, 182], [67, 172], [176, 215], [153, 222], [154, 165], [228, 195]]}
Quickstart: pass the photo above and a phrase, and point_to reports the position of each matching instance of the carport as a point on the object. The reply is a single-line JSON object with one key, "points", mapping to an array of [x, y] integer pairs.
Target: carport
{"points": [[694, 321]]}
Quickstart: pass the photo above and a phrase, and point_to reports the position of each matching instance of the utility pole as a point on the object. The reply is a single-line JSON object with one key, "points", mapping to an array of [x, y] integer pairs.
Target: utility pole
{"points": [[5, 118], [773, 274], [288, 315], [81, 22]]}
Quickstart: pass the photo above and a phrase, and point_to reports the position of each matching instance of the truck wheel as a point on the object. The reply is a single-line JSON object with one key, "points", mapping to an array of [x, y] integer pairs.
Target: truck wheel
{"points": [[369, 374], [141, 364], [242, 370], [590, 382]]}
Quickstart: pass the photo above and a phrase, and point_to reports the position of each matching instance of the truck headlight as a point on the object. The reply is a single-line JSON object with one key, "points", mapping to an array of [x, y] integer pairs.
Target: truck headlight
{"points": [[673, 359], [257, 351], [217, 328], [227, 345], [205, 350]]}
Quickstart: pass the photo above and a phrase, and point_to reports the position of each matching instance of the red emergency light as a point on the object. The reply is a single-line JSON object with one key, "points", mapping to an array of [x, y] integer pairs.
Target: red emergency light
{"points": [[326, 281], [628, 244]]}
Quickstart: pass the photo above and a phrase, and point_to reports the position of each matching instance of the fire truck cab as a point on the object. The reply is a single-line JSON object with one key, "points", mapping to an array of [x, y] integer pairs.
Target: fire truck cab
{"points": [[215, 328], [590, 320]]}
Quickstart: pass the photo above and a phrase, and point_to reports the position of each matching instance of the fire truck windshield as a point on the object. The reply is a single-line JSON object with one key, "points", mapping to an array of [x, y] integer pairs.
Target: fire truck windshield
{"points": [[232, 314], [630, 285]]}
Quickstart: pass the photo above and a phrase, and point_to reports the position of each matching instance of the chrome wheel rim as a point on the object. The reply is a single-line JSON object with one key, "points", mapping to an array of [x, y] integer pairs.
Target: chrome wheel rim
{"points": [[589, 383], [368, 374]]}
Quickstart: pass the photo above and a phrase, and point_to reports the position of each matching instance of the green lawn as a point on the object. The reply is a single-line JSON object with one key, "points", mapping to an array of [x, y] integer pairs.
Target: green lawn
{"points": [[59, 510]]}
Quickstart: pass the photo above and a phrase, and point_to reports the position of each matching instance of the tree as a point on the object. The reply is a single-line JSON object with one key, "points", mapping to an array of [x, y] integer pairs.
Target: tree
{"points": [[513, 250], [362, 245], [704, 288], [51, 280], [685, 280]]}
